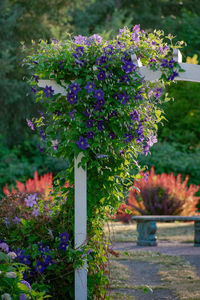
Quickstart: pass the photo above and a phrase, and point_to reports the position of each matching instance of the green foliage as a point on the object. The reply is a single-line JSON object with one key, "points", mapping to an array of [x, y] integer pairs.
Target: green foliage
{"points": [[20, 162], [12, 285], [183, 114], [165, 157]]}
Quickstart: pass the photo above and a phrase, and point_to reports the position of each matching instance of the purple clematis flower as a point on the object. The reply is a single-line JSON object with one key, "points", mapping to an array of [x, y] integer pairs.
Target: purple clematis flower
{"points": [[152, 140], [48, 91], [124, 98], [129, 66], [30, 124], [100, 125], [89, 123], [82, 143], [33, 90], [113, 113], [64, 237], [101, 75], [36, 78], [40, 267], [135, 116], [75, 88], [145, 150], [90, 134], [90, 86], [72, 98], [98, 94]]}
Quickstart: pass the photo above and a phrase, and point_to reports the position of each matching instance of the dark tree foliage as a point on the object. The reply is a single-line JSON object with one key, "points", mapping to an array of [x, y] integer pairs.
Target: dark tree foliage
{"points": [[21, 22]]}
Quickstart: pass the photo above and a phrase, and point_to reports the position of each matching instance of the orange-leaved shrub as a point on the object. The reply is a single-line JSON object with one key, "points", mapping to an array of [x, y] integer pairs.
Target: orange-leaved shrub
{"points": [[163, 194]]}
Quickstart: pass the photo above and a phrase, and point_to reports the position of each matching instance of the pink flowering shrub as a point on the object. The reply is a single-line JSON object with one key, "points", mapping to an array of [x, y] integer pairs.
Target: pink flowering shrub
{"points": [[163, 194]]}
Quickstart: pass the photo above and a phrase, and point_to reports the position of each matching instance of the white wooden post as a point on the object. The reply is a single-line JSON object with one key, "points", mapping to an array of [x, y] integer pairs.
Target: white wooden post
{"points": [[80, 181]]}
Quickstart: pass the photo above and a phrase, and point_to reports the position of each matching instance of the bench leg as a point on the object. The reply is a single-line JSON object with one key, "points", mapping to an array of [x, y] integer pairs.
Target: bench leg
{"points": [[197, 233], [146, 233]]}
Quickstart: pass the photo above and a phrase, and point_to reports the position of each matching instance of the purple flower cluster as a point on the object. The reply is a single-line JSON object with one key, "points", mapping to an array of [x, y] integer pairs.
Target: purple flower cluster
{"points": [[128, 66], [135, 116], [24, 259], [140, 133], [31, 200], [72, 96], [158, 93], [173, 75], [64, 241], [167, 63], [123, 98]]}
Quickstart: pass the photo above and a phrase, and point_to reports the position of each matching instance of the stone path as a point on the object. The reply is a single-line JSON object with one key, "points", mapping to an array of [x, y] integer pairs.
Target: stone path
{"points": [[145, 273]]}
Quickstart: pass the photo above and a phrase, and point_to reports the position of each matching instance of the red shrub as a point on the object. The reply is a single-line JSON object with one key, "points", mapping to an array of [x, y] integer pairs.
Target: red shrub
{"points": [[41, 185], [163, 195]]}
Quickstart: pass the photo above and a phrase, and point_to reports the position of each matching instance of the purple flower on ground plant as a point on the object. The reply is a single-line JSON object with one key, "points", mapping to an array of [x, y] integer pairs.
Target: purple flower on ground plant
{"points": [[40, 267], [64, 237], [63, 245], [90, 86], [98, 94], [16, 220], [90, 134], [30, 124], [7, 223], [129, 66], [61, 64], [48, 91], [35, 212], [55, 144], [4, 247], [31, 200], [12, 255], [82, 143]]}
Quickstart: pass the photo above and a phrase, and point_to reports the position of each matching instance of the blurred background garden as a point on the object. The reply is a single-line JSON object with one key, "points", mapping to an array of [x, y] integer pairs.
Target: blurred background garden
{"points": [[23, 22]]}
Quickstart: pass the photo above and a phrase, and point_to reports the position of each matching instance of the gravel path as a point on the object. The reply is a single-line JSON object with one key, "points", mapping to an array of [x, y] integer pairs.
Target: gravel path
{"points": [[145, 273]]}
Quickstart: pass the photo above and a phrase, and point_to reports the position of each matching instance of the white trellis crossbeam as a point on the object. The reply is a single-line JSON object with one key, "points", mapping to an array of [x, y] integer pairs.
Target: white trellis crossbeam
{"points": [[192, 73]]}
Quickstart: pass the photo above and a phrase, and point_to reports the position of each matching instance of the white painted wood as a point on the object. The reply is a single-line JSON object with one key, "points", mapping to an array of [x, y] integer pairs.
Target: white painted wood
{"points": [[80, 183], [192, 73], [177, 56], [58, 89]]}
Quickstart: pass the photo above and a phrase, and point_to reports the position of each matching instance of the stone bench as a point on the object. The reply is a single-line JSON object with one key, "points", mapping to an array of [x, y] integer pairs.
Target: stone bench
{"points": [[146, 227]]}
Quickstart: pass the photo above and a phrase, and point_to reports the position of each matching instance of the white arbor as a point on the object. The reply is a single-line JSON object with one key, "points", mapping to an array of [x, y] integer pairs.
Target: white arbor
{"points": [[192, 73]]}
